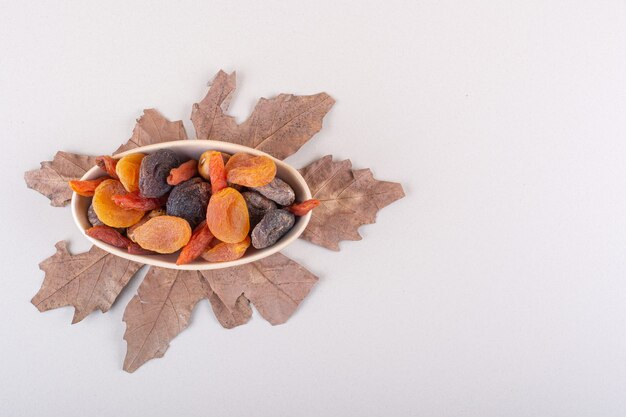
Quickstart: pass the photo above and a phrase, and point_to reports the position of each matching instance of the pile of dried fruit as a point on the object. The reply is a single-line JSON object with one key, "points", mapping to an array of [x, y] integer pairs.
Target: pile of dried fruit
{"points": [[151, 203]]}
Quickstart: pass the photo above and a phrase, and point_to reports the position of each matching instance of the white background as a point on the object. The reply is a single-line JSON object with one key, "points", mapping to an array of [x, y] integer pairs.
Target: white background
{"points": [[497, 287]]}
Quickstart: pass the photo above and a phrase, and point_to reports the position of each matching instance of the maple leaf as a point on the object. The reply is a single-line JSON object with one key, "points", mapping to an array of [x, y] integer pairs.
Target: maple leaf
{"points": [[278, 126], [87, 281], [162, 307], [349, 199], [151, 128], [51, 179]]}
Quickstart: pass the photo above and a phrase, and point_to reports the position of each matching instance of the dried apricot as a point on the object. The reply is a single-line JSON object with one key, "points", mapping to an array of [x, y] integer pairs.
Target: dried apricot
{"points": [[199, 242], [250, 171], [107, 164], [130, 232], [227, 216], [204, 164], [223, 252], [300, 209], [86, 188], [109, 212], [127, 169], [163, 234], [183, 172]]}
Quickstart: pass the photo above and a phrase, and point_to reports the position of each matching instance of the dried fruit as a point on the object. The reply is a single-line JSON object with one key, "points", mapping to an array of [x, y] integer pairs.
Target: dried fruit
{"points": [[138, 202], [272, 227], [154, 170], [110, 213], [300, 209], [277, 190], [184, 172], [189, 200], [86, 188], [257, 206], [127, 169], [223, 252], [204, 164], [199, 242], [254, 171], [217, 173], [227, 216], [93, 217], [108, 235], [163, 234], [107, 164]]}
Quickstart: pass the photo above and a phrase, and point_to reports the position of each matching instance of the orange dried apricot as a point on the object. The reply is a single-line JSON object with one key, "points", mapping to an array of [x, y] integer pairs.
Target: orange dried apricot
{"points": [[163, 234], [223, 252], [109, 212], [227, 216], [127, 169], [250, 171]]}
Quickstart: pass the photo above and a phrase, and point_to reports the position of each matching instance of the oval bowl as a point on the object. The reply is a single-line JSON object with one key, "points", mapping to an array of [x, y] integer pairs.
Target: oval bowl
{"points": [[193, 148]]}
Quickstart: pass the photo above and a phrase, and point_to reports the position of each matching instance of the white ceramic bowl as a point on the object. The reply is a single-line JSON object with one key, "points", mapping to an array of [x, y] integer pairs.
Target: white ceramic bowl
{"points": [[193, 149]]}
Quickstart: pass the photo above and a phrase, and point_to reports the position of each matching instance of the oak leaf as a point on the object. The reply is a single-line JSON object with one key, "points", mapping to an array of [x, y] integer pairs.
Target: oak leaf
{"points": [[162, 308], [87, 281], [349, 199], [51, 179], [278, 126], [151, 128]]}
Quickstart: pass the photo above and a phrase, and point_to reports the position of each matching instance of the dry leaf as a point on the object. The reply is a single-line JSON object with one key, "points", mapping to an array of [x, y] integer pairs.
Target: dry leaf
{"points": [[160, 311], [349, 199], [51, 179], [162, 308], [87, 281], [151, 128], [275, 285], [278, 126]]}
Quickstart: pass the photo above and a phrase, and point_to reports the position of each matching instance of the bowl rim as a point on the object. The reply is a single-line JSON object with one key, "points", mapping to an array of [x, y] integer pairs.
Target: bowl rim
{"points": [[227, 147]]}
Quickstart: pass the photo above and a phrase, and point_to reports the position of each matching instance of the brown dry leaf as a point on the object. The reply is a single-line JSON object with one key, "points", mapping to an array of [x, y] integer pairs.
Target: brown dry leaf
{"points": [[87, 281], [160, 311], [51, 179], [162, 308], [278, 126], [349, 199], [151, 128]]}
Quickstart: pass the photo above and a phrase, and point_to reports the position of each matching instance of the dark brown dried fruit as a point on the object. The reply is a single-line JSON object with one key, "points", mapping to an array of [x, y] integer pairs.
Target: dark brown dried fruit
{"points": [[154, 170], [93, 217], [278, 191], [257, 206], [274, 225], [189, 200]]}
